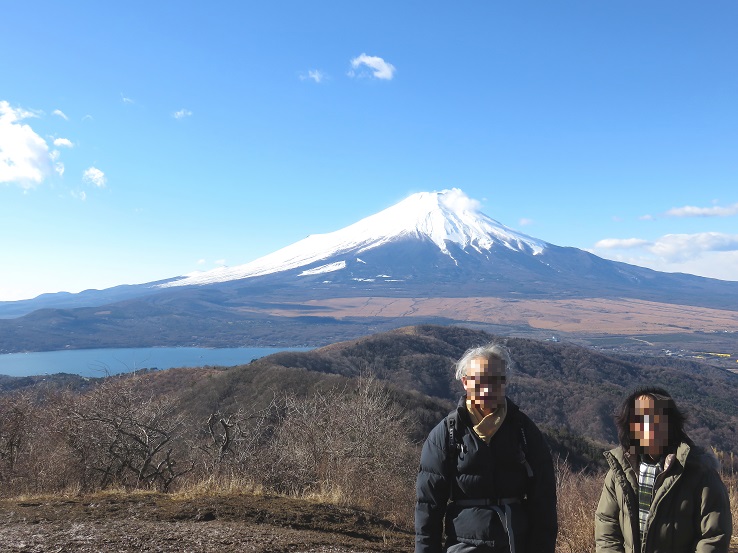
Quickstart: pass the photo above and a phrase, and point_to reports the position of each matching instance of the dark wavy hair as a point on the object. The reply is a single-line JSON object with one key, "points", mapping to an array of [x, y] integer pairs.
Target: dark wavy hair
{"points": [[626, 414]]}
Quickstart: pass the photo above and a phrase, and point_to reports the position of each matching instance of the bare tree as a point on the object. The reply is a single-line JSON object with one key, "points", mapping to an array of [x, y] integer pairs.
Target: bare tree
{"points": [[234, 444], [350, 444], [123, 436], [16, 410]]}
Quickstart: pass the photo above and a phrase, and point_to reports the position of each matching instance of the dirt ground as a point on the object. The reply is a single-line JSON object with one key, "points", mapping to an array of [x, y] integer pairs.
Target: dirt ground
{"points": [[156, 523], [149, 523]]}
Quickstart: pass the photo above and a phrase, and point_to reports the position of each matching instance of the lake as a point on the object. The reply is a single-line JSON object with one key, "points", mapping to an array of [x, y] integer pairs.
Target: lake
{"points": [[99, 362]]}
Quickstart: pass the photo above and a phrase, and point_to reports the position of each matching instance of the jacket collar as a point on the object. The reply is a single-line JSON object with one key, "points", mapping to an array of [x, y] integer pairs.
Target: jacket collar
{"points": [[461, 408], [627, 463], [623, 466]]}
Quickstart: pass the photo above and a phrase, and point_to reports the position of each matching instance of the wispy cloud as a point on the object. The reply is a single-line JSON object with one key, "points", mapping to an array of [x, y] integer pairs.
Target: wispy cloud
{"points": [[61, 114], [79, 194], [525, 222], [693, 211], [94, 176], [126, 99], [315, 75], [59, 168], [181, 114], [378, 68], [24, 155], [621, 243], [58, 165], [63, 143], [680, 247], [710, 254]]}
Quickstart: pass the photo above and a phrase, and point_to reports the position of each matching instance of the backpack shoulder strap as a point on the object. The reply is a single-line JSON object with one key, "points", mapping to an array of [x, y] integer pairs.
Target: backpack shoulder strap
{"points": [[455, 448], [455, 445], [451, 421], [522, 446]]}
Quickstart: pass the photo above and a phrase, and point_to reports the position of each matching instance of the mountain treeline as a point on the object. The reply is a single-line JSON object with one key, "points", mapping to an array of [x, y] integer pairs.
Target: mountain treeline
{"points": [[566, 389], [344, 421]]}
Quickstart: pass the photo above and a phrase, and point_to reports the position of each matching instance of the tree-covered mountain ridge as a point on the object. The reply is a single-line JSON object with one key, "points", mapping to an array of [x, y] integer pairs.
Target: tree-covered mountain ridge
{"points": [[561, 386], [568, 390]]}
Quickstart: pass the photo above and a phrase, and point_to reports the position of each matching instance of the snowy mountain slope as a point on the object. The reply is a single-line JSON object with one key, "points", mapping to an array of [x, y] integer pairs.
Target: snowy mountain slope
{"points": [[431, 245], [448, 219]]}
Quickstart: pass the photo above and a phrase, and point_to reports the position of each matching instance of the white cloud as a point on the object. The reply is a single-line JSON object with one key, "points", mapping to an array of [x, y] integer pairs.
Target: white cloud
{"points": [[525, 222], [380, 69], [63, 142], [681, 247], [126, 100], [61, 114], [314, 75], [94, 176], [220, 261], [58, 165], [201, 262], [181, 114], [714, 211], [458, 201], [80, 195], [709, 254], [24, 155], [620, 243], [646, 218]]}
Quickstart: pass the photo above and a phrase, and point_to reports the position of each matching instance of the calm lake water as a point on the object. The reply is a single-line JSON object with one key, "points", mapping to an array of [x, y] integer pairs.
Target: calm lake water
{"points": [[99, 362]]}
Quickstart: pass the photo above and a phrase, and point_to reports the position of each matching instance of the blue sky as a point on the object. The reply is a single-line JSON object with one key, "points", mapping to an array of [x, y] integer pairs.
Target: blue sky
{"points": [[145, 140]]}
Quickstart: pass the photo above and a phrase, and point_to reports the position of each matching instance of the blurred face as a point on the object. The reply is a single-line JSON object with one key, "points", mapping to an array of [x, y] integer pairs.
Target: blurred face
{"points": [[485, 383], [650, 427]]}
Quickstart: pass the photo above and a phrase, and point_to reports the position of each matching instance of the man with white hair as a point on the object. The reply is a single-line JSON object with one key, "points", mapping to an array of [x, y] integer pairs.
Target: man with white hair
{"points": [[486, 473]]}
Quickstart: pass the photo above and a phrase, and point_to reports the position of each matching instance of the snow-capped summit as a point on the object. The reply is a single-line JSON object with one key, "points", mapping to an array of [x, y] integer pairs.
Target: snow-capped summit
{"points": [[431, 246], [448, 219]]}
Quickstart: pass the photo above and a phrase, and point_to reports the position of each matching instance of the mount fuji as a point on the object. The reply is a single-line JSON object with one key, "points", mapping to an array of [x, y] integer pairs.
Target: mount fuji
{"points": [[432, 246], [436, 231], [441, 244]]}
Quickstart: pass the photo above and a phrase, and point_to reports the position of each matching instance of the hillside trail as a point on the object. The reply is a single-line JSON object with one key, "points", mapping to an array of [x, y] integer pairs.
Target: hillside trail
{"points": [[150, 522]]}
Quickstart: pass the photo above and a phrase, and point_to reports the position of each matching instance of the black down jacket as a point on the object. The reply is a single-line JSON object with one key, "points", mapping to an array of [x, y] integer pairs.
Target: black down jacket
{"points": [[486, 472]]}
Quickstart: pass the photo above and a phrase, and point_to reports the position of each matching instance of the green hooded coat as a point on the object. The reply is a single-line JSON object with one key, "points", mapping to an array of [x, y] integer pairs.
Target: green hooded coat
{"points": [[690, 512]]}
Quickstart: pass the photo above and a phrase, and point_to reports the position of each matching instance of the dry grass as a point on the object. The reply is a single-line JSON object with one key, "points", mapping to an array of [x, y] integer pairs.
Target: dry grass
{"points": [[729, 474], [599, 315], [731, 482], [577, 497], [219, 486]]}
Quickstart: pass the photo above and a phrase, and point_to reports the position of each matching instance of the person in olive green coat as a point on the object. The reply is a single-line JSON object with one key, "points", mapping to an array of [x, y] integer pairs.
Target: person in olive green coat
{"points": [[662, 493]]}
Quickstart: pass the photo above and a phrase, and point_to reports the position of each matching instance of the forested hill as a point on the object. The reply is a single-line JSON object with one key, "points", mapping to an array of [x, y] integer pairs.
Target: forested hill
{"points": [[562, 387], [571, 392]]}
